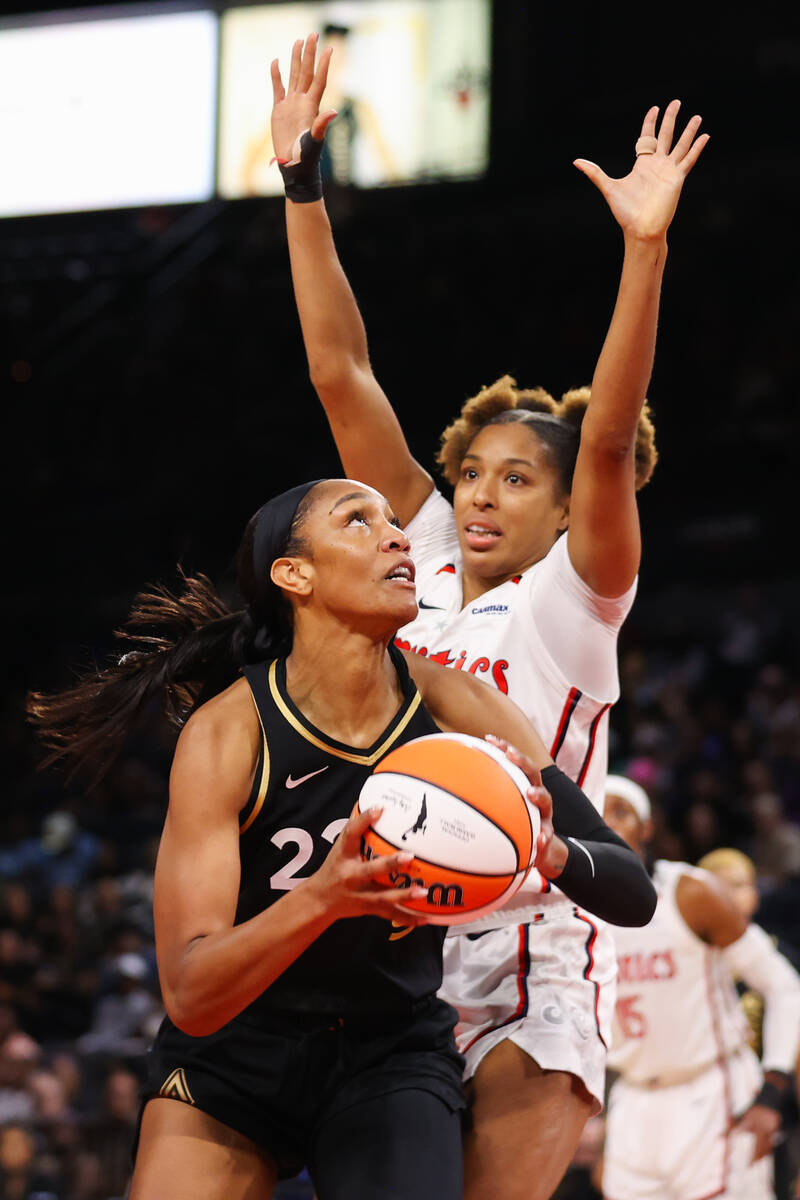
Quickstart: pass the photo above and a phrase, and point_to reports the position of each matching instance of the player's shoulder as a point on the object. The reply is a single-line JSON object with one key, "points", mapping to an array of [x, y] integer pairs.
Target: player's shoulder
{"points": [[227, 720]]}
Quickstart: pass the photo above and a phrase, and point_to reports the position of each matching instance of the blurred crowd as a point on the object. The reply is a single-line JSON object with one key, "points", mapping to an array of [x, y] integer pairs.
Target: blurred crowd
{"points": [[709, 723]]}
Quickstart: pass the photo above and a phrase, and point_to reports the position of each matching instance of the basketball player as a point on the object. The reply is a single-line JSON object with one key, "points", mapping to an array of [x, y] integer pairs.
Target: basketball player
{"points": [[294, 1035], [691, 1115], [505, 597]]}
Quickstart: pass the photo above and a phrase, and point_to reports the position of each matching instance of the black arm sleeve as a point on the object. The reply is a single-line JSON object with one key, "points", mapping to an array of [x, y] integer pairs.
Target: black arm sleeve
{"points": [[602, 873]]}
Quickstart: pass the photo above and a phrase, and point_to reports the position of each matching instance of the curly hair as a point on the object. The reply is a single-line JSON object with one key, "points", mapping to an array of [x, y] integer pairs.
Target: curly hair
{"points": [[556, 423]]}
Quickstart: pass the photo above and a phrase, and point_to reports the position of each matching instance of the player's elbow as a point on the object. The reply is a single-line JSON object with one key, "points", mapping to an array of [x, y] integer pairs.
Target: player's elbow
{"points": [[189, 1015], [644, 901], [187, 1001], [333, 375], [613, 446], [638, 900]]}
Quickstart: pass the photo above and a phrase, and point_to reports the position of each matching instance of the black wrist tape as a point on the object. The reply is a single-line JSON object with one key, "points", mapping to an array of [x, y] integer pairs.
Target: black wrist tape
{"points": [[302, 181], [771, 1096]]}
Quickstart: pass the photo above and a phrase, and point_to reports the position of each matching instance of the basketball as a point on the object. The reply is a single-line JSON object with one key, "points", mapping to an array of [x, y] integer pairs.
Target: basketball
{"points": [[459, 806]]}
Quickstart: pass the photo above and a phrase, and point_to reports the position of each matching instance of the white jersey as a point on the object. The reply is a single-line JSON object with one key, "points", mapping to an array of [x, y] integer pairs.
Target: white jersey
{"points": [[544, 638], [677, 1008]]}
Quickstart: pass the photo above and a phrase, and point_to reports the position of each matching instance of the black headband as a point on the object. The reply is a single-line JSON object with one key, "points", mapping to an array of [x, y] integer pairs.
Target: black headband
{"points": [[273, 525]]}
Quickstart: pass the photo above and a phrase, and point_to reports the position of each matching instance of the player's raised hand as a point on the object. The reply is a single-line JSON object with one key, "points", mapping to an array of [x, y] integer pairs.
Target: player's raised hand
{"points": [[295, 108], [550, 851], [348, 885], [644, 201]]}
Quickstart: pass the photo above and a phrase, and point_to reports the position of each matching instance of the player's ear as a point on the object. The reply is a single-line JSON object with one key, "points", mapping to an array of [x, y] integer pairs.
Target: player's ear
{"points": [[292, 575]]}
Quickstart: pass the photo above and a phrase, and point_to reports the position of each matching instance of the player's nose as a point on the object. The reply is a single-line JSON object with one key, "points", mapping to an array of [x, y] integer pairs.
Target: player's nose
{"points": [[395, 539]]}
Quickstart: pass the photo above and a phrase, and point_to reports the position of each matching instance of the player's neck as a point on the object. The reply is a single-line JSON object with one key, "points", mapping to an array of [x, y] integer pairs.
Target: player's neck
{"points": [[474, 586], [349, 691]]}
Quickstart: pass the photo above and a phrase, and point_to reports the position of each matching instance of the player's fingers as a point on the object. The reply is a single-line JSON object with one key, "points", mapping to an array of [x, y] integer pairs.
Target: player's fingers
{"points": [[388, 902], [597, 175], [499, 742], [320, 80], [386, 864], [355, 829], [307, 62], [540, 798], [278, 92], [694, 153], [681, 147], [294, 69], [668, 126], [524, 763], [320, 124], [649, 122]]}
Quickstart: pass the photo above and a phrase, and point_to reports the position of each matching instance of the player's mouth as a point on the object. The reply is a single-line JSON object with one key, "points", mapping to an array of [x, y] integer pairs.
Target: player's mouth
{"points": [[402, 574], [482, 535]]}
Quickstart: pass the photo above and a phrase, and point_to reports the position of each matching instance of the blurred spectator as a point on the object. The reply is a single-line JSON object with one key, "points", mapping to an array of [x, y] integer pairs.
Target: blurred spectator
{"points": [[62, 856], [21, 1174], [110, 1135], [775, 848], [19, 1056], [122, 1022]]}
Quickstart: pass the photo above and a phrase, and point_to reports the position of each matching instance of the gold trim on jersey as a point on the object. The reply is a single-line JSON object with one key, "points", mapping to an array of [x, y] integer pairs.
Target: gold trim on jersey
{"points": [[400, 931], [264, 784], [365, 760], [175, 1087]]}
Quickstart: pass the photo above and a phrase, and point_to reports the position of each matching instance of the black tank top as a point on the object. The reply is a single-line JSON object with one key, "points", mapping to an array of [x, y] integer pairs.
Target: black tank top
{"points": [[304, 790]]}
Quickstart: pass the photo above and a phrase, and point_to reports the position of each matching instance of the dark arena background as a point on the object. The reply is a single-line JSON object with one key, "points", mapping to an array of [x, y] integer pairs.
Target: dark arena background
{"points": [[155, 392]]}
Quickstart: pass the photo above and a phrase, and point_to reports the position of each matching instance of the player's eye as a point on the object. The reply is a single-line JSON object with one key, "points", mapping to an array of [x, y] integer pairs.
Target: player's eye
{"points": [[514, 478], [469, 473], [358, 518], [396, 522]]}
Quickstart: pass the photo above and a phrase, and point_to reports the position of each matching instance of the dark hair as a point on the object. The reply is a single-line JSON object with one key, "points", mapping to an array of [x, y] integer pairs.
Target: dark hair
{"points": [[557, 423], [181, 647]]}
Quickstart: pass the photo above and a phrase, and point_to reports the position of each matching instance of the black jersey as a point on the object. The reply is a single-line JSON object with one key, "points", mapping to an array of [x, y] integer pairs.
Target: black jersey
{"points": [[304, 790]]}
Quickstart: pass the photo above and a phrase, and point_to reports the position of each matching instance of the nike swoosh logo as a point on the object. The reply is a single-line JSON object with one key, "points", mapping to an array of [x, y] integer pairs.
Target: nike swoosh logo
{"points": [[293, 783], [422, 604]]}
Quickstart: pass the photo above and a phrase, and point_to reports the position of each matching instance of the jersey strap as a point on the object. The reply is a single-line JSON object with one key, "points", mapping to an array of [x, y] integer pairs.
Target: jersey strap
{"points": [[268, 685]]}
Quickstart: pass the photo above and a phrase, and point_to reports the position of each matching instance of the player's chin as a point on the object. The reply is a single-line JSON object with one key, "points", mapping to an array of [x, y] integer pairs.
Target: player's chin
{"points": [[403, 613]]}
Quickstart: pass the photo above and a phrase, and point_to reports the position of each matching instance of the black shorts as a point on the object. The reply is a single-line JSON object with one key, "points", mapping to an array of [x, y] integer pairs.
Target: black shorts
{"points": [[294, 1087]]}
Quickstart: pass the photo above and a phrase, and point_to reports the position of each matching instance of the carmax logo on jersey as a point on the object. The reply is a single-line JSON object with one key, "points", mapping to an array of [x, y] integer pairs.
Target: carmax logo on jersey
{"points": [[496, 609]]}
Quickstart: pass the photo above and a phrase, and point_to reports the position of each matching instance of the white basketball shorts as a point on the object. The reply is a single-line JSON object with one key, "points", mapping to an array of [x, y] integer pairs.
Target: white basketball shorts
{"points": [[549, 986], [671, 1143]]}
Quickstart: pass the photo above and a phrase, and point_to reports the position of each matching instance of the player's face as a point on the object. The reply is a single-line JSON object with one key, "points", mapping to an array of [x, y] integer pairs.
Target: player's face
{"points": [[507, 502], [361, 569], [623, 818]]}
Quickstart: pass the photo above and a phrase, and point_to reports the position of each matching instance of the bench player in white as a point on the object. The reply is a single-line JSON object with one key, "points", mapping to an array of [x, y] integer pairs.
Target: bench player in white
{"points": [[504, 596], [693, 1115]]}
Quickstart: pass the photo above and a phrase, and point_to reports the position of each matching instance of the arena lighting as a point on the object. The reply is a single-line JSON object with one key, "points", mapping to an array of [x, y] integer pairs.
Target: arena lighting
{"points": [[107, 108], [120, 107]]}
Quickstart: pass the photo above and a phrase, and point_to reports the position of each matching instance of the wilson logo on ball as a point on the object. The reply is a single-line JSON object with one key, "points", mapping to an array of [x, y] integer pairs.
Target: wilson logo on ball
{"points": [[440, 895]]}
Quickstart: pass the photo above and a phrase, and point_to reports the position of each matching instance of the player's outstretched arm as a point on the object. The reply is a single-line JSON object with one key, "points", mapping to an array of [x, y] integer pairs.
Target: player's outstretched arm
{"points": [[590, 864], [211, 969], [368, 436], [604, 539]]}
